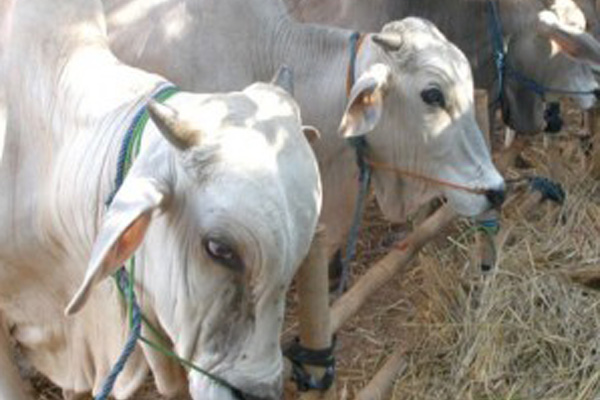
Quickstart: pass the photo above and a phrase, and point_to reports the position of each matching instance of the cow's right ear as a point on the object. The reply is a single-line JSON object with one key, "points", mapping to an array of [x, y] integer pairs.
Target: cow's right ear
{"points": [[365, 107], [122, 231], [570, 41]]}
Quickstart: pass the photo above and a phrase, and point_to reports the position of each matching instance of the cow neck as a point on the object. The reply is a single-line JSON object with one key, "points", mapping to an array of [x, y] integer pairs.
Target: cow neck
{"points": [[130, 147]]}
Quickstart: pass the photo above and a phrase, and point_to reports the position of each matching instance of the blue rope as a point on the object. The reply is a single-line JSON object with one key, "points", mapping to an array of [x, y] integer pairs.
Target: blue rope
{"points": [[134, 335], [364, 176], [491, 225], [549, 189], [496, 36], [137, 125], [122, 276], [542, 90], [364, 179]]}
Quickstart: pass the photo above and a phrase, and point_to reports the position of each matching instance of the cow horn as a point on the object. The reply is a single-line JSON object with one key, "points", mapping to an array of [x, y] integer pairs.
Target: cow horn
{"points": [[284, 78], [177, 132], [388, 41]]}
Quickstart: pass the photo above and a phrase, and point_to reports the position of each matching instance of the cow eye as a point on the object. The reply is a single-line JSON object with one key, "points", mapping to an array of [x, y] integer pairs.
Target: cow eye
{"points": [[433, 97], [223, 253]]}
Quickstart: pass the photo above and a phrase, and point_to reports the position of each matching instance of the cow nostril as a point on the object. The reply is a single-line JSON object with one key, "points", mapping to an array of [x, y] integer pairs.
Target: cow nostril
{"points": [[495, 197]]}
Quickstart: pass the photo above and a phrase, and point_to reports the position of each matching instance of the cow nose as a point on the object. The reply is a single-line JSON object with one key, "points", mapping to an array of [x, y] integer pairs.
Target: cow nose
{"points": [[495, 196]]}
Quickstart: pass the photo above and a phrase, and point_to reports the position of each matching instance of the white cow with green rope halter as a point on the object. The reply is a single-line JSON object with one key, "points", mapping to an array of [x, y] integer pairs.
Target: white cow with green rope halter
{"points": [[218, 196]]}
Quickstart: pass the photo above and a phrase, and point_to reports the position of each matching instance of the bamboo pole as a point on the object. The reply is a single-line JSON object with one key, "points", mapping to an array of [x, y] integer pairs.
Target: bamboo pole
{"points": [[484, 254], [593, 123], [313, 307], [482, 114], [381, 385], [381, 273]]}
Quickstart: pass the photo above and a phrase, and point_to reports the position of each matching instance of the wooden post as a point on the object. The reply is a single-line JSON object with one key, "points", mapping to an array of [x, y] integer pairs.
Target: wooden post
{"points": [[381, 385], [313, 306], [482, 114], [593, 123], [483, 253], [382, 272]]}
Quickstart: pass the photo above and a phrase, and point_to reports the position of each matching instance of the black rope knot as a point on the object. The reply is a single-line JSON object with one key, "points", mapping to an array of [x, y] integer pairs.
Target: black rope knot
{"points": [[549, 189], [300, 356], [554, 122]]}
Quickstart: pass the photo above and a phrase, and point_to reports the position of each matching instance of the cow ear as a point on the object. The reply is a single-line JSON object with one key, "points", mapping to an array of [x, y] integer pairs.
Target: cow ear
{"points": [[122, 231], [365, 107], [571, 41]]}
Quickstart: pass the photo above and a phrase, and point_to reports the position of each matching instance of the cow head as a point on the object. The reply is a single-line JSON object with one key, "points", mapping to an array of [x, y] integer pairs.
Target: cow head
{"points": [[413, 99], [555, 55], [220, 216]]}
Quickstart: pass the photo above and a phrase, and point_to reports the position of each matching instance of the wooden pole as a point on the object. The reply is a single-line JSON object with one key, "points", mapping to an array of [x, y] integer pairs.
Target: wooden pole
{"points": [[313, 307], [484, 255], [593, 123], [382, 272], [482, 114], [382, 383]]}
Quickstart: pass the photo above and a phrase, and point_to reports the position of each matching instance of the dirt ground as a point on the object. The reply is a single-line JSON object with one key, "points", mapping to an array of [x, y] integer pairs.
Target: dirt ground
{"points": [[528, 329]]}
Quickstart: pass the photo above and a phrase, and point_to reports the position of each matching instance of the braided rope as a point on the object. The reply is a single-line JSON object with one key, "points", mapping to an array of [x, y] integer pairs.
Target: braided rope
{"points": [[134, 333]]}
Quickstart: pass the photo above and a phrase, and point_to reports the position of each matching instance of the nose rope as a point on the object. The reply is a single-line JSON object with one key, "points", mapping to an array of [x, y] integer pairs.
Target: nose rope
{"points": [[422, 177]]}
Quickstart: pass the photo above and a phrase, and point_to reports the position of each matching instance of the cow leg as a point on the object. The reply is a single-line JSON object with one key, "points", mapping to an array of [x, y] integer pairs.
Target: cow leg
{"points": [[12, 385]]}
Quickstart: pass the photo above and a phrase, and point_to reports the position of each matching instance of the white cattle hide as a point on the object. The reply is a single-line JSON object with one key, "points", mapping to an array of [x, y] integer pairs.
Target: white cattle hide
{"points": [[558, 55], [219, 207], [210, 44]]}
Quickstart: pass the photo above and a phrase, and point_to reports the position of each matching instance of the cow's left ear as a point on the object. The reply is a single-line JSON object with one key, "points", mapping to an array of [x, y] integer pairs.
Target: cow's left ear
{"points": [[122, 231], [571, 41], [365, 107]]}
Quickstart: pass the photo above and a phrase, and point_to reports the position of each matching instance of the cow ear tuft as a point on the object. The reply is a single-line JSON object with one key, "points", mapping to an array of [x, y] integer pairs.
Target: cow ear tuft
{"points": [[365, 107], [122, 231]]}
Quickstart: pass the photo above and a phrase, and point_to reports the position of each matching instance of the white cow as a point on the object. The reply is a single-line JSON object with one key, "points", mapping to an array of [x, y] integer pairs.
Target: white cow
{"points": [[546, 44], [5, 22], [219, 207], [411, 93]]}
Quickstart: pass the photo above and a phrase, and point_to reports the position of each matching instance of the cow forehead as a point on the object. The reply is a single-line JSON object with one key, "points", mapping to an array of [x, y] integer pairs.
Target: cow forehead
{"points": [[426, 49], [258, 104]]}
